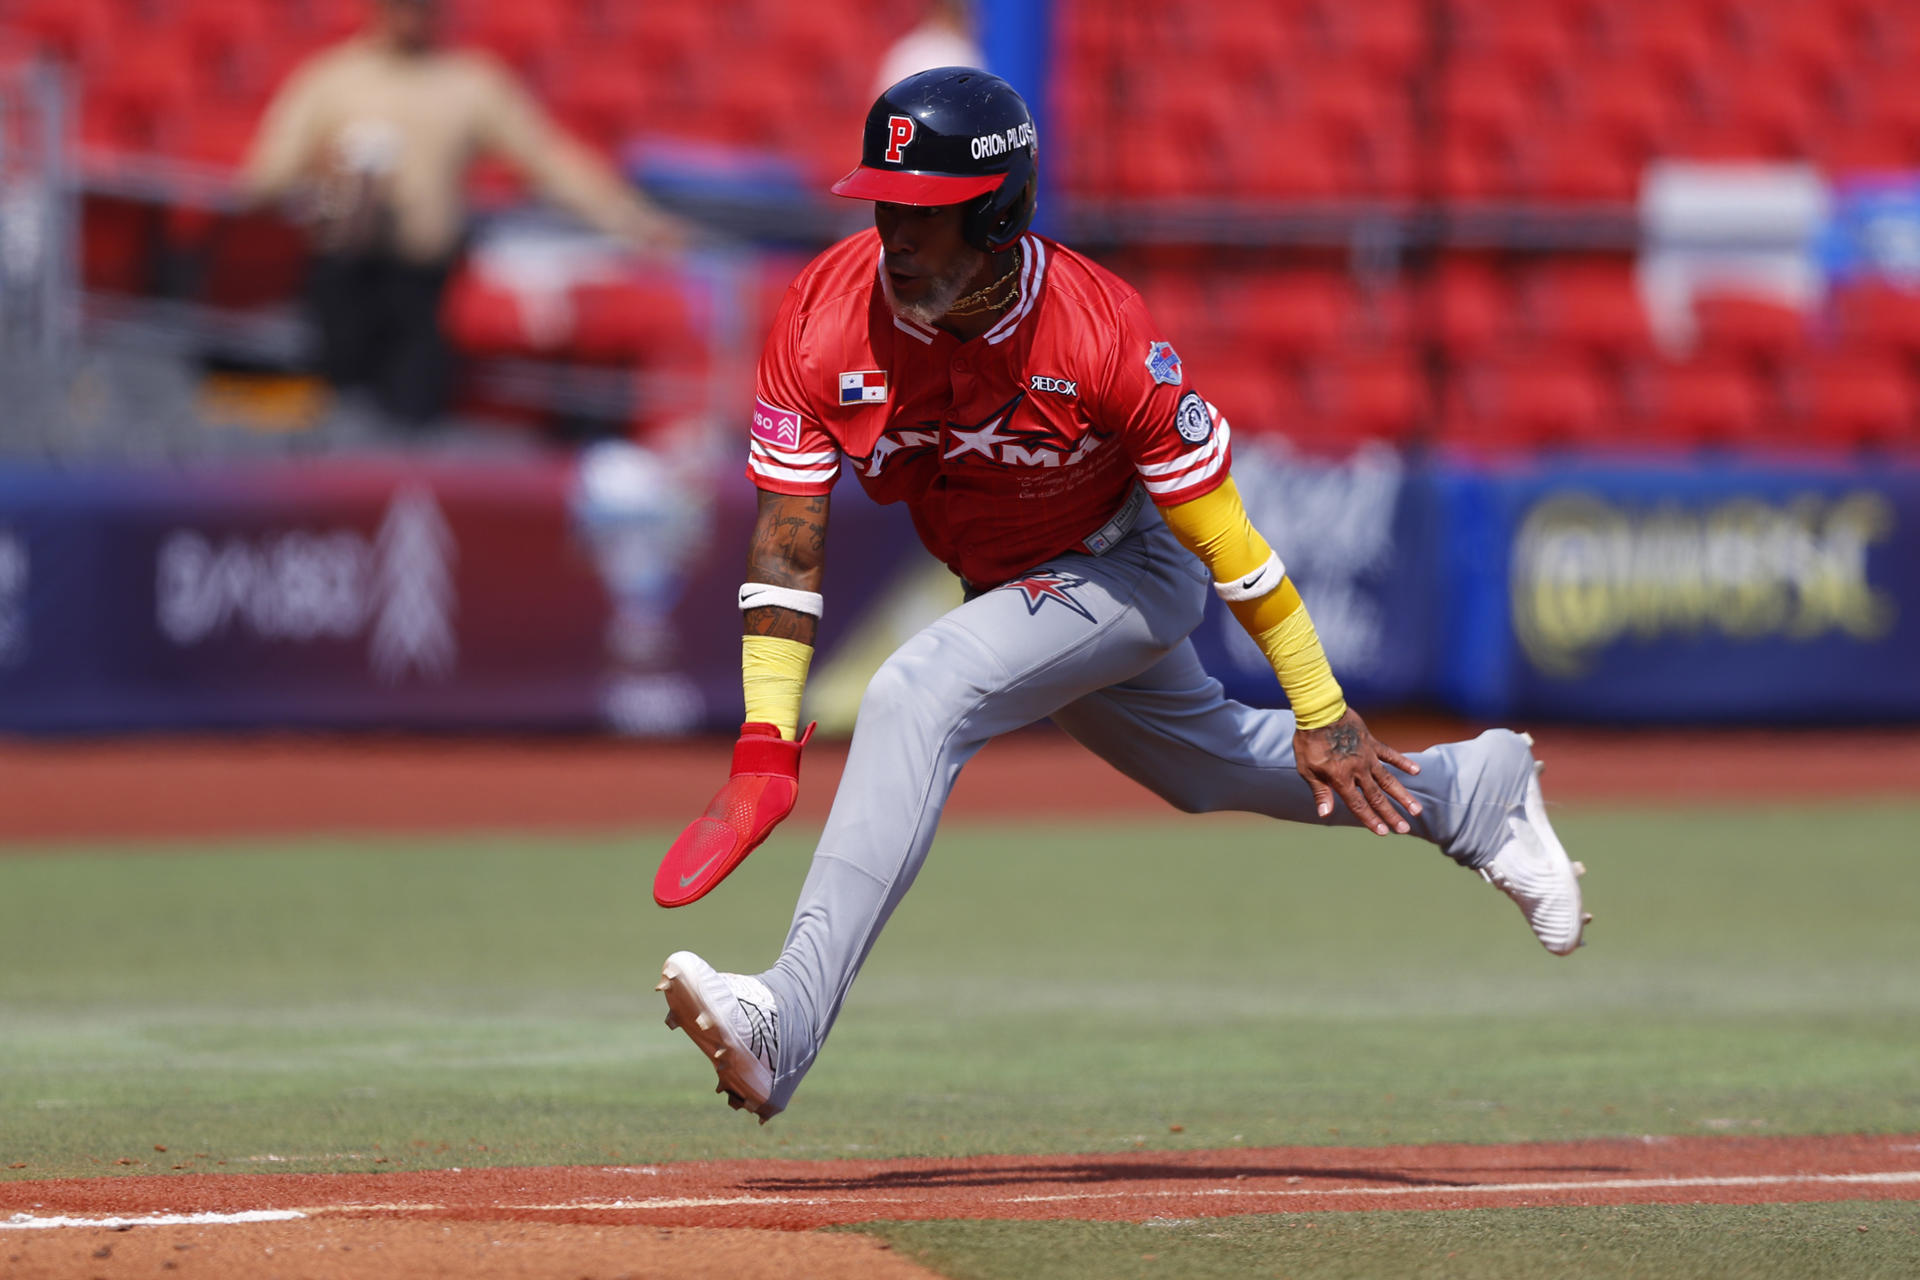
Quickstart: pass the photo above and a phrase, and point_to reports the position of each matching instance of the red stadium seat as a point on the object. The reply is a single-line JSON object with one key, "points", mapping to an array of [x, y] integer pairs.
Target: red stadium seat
{"points": [[1385, 37], [134, 98], [1470, 308], [1628, 103], [1808, 43], [1761, 331], [1850, 399], [1762, 114], [601, 100], [1354, 397], [647, 321], [1486, 104], [1300, 170], [1295, 314], [1592, 307], [1529, 400], [64, 29], [1681, 44], [215, 137], [1255, 398], [1467, 169], [1533, 40], [484, 319], [530, 37], [1344, 106], [1581, 165], [1707, 402], [225, 37], [1880, 316]]}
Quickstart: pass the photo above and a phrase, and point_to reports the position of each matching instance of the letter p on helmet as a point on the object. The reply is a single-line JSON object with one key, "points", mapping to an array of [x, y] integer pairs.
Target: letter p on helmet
{"points": [[899, 134]]}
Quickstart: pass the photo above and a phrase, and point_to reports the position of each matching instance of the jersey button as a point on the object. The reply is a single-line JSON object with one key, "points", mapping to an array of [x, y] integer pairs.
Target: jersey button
{"points": [[961, 364]]}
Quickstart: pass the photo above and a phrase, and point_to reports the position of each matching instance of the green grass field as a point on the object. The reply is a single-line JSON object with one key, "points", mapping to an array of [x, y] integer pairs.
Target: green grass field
{"points": [[383, 1004]]}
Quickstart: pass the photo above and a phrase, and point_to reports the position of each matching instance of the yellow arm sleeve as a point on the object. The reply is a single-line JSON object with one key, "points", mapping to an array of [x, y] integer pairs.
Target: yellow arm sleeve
{"points": [[773, 674], [1215, 528]]}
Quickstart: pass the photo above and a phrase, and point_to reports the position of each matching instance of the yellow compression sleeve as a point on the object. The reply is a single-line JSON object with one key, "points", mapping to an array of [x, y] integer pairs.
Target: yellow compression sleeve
{"points": [[1215, 528], [773, 674]]}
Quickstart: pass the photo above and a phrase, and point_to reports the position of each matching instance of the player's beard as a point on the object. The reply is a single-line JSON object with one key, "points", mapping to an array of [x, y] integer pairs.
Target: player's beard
{"points": [[943, 290]]}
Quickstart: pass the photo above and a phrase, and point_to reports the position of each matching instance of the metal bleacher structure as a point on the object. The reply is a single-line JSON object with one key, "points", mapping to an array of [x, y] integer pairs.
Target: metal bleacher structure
{"points": [[1414, 221]]}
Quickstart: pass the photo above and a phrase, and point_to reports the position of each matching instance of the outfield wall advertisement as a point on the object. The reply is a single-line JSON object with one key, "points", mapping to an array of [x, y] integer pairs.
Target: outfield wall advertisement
{"points": [[375, 594], [1682, 592], [597, 592]]}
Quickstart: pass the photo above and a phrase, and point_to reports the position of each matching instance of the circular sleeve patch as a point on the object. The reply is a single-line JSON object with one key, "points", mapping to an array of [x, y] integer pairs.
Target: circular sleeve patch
{"points": [[1192, 420]]}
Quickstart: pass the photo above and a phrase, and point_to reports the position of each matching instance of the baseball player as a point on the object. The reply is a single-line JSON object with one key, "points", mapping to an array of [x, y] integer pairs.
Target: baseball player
{"points": [[1055, 453]]}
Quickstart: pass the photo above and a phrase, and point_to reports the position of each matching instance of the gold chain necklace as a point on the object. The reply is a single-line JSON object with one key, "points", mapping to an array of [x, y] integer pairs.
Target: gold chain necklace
{"points": [[985, 299]]}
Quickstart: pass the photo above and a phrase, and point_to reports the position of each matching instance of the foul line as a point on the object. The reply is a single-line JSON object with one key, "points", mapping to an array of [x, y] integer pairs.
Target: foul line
{"points": [[1508, 1188], [28, 1222], [1261, 1193]]}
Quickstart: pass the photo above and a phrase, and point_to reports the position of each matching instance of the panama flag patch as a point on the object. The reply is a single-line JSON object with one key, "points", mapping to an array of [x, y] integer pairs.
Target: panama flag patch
{"points": [[863, 386]]}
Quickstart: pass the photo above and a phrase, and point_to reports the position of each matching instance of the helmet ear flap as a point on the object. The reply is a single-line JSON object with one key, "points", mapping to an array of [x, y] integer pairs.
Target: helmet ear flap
{"points": [[1002, 216]]}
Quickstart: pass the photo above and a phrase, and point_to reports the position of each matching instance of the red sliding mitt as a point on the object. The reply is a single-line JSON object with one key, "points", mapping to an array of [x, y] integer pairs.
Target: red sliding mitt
{"points": [[759, 793]]}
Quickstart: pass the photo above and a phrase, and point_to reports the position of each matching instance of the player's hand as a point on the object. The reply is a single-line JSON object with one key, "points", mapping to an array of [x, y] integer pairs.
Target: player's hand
{"points": [[1344, 759], [760, 791]]}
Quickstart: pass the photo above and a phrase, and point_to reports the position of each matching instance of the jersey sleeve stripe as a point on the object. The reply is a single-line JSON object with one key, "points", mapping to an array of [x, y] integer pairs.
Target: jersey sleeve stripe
{"points": [[761, 449], [794, 475], [1187, 480], [1192, 458]]}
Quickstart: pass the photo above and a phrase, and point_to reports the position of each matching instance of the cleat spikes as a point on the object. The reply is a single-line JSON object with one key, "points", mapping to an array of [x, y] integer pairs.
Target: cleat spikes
{"points": [[719, 1053], [703, 1021], [662, 985], [1587, 918], [1527, 738], [1579, 868], [673, 1021]]}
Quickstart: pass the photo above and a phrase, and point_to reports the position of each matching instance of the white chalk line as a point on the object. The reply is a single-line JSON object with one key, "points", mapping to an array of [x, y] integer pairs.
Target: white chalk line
{"points": [[27, 1222], [1263, 1193], [1507, 1188], [1901, 1177]]}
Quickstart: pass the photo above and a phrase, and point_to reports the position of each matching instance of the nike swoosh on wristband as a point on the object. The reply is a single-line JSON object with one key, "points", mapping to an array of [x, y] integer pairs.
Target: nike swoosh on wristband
{"points": [[1248, 584], [696, 873]]}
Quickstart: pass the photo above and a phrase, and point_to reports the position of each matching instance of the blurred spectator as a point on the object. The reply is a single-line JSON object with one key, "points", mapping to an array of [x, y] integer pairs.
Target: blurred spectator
{"points": [[375, 136], [944, 38]]}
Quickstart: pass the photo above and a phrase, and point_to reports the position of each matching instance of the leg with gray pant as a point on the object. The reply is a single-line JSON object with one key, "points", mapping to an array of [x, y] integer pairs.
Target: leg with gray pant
{"points": [[1174, 731], [1102, 647]]}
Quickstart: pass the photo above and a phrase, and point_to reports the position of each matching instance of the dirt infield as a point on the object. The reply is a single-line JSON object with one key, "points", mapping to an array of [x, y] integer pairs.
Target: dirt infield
{"points": [[158, 788], [680, 1219]]}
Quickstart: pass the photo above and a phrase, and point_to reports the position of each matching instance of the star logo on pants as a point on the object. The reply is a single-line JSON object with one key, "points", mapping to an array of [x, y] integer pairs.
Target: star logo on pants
{"points": [[1038, 588]]}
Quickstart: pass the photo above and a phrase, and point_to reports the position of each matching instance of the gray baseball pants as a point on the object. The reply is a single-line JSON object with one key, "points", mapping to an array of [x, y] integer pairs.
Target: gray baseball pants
{"points": [[1111, 664]]}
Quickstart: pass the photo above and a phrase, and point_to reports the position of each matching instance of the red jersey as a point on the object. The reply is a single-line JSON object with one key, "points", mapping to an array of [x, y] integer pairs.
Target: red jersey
{"points": [[1008, 449]]}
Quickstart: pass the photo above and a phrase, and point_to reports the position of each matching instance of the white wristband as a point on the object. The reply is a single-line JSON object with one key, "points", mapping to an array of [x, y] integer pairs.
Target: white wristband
{"points": [[1256, 584], [758, 595]]}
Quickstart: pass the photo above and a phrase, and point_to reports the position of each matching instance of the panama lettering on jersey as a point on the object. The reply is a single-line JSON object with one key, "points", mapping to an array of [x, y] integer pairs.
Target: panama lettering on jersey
{"points": [[1009, 449]]}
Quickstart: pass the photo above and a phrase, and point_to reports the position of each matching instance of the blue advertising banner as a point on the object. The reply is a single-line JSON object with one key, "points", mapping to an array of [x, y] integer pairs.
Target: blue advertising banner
{"points": [[596, 592], [1722, 591], [1357, 538]]}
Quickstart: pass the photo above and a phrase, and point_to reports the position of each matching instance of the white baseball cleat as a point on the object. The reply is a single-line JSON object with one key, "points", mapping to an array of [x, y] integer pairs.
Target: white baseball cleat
{"points": [[732, 1018], [1533, 869]]}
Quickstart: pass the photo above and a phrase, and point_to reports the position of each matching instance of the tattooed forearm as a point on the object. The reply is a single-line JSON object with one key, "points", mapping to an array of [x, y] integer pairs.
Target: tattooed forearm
{"points": [[782, 624], [788, 549], [1343, 740]]}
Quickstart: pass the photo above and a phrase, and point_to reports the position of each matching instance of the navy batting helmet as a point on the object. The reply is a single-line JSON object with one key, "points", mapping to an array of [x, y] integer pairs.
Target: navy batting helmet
{"points": [[952, 135]]}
